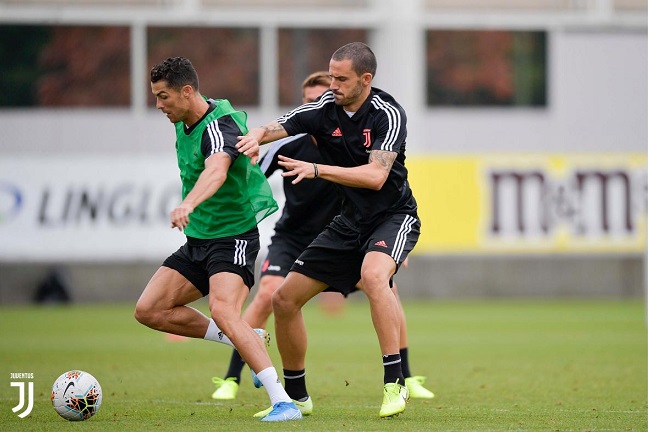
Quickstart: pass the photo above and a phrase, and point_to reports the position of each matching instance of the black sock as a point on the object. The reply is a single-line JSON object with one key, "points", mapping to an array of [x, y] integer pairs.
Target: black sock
{"points": [[296, 384], [393, 370], [405, 363], [235, 366]]}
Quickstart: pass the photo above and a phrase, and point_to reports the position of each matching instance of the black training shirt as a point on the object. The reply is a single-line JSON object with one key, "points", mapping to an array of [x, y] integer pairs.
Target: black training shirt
{"points": [[310, 204], [379, 124]]}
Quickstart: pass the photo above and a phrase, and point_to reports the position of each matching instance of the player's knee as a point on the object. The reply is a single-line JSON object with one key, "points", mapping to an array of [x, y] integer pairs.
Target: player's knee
{"points": [[147, 315], [373, 279], [280, 303], [261, 305], [263, 297]]}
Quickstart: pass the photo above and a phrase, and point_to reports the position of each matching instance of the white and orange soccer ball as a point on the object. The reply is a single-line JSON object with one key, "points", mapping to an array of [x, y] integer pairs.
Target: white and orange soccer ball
{"points": [[76, 395]]}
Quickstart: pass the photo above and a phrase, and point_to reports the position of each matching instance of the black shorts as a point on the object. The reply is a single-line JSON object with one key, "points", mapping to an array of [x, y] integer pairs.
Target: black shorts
{"points": [[335, 256], [198, 259], [283, 251]]}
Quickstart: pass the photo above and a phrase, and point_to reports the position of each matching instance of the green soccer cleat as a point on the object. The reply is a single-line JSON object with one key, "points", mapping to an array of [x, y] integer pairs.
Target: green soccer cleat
{"points": [[416, 390], [395, 396], [225, 388], [305, 407]]}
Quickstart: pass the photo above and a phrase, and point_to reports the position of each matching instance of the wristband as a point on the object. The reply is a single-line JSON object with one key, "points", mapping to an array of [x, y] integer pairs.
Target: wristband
{"points": [[316, 170]]}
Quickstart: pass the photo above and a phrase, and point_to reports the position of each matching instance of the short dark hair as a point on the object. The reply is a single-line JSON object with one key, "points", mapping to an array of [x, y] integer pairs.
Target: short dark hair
{"points": [[177, 72], [361, 56], [319, 78]]}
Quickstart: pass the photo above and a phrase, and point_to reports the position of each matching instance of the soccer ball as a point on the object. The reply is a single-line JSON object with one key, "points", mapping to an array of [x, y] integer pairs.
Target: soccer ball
{"points": [[76, 395]]}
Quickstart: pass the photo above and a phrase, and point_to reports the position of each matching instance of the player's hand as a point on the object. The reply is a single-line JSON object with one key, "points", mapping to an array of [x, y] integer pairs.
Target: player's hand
{"points": [[180, 216], [249, 146], [297, 168]]}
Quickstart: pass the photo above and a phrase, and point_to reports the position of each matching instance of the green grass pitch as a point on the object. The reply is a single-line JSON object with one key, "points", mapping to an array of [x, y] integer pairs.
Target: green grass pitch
{"points": [[496, 365]]}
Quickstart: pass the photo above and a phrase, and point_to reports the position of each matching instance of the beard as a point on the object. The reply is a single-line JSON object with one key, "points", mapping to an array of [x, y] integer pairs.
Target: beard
{"points": [[350, 98]]}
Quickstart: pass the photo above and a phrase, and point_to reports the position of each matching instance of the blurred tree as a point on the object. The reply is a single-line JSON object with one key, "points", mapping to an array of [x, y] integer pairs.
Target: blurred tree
{"points": [[486, 68], [303, 51], [226, 59], [85, 66], [20, 47]]}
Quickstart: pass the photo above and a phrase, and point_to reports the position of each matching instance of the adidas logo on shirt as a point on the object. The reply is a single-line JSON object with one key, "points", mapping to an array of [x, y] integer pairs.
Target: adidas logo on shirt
{"points": [[381, 243], [337, 132]]}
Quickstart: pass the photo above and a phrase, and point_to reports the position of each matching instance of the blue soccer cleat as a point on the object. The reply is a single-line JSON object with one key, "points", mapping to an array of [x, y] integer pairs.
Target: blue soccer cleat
{"points": [[283, 411], [306, 408]]}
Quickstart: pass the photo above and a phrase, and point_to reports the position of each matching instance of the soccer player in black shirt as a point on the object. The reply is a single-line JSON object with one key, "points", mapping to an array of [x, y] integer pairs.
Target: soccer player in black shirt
{"points": [[294, 231], [361, 132]]}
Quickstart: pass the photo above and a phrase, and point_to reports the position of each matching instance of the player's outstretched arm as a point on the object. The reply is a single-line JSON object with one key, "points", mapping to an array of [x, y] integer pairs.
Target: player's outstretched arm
{"points": [[369, 176], [250, 142]]}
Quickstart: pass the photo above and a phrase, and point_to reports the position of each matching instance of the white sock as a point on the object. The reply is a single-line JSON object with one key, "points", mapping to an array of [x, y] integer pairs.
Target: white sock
{"points": [[215, 334], [271, 383]]}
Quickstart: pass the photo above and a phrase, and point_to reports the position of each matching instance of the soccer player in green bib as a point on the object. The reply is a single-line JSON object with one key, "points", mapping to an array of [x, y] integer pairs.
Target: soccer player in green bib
{"points": [[224, 197]]}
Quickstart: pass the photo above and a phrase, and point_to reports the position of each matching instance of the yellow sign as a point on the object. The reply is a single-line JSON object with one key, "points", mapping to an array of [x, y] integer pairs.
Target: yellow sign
{"points": [[508, 203]]}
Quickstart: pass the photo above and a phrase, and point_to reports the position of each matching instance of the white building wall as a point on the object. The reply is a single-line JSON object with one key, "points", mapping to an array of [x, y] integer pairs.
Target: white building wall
{"points": [[598, 101]]}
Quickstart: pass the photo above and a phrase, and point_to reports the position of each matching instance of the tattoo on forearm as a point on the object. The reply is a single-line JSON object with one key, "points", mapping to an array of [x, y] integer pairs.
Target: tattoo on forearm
{"points": [[384, 158], [272, 128]]}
